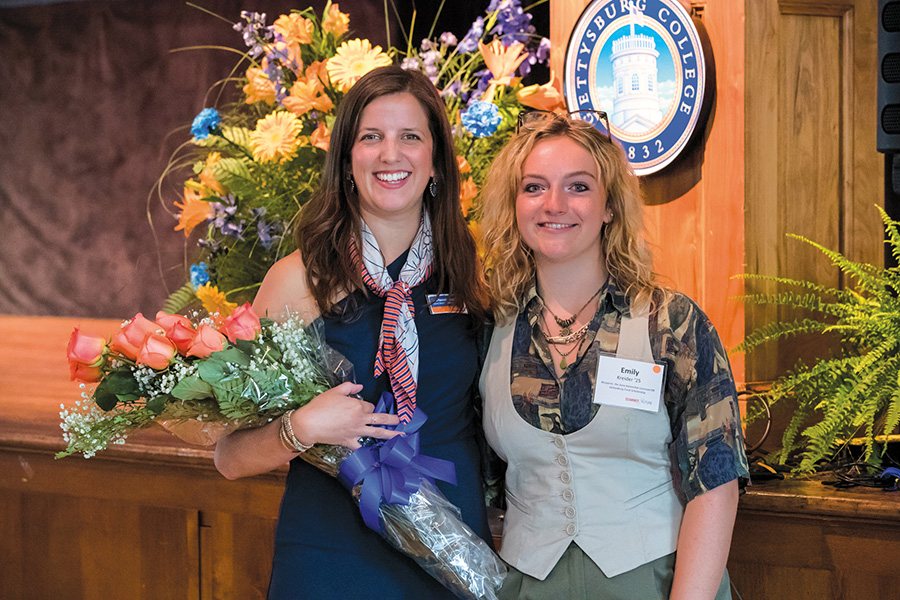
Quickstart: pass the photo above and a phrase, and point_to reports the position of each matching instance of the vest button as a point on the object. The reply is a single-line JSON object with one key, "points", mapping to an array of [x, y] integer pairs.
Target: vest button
{"points": [[563, 460], [570, 512], [559, 442], [570, 529], [565, 477], [568, 495]]}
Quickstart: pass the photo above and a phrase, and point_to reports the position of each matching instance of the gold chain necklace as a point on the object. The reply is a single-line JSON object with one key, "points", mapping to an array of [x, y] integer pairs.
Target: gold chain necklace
{"points": [[565, 324]]}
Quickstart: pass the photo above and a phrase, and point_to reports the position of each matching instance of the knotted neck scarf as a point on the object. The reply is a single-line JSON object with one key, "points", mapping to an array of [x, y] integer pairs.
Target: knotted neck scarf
{"points": [[398, 347]]}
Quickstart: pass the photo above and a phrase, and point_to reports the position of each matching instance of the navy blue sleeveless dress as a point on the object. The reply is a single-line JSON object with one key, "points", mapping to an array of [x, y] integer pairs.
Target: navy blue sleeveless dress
{"points": [[323, 549]]}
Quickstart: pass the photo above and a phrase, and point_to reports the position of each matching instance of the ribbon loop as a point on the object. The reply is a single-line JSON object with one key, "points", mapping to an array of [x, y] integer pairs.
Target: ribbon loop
{"points": [[391, 470]]}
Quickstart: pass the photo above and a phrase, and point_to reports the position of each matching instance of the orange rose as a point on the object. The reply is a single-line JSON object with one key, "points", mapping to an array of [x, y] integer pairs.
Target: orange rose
{"points": [[86, 356], [206, 341], [178, 329], [241, 324], [156, 352], [132, 335]]}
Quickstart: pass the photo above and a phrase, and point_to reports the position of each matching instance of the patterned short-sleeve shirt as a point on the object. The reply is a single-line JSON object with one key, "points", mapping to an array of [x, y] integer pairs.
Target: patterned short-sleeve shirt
{"points": [[699, 392]]}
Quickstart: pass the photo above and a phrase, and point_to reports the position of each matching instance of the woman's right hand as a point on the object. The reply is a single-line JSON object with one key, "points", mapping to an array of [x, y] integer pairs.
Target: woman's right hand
{"points": [[339, 417]]}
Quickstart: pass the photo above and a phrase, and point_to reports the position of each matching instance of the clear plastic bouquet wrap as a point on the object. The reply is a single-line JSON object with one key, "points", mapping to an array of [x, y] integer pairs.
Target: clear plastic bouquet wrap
{"points": [[201, 381]]}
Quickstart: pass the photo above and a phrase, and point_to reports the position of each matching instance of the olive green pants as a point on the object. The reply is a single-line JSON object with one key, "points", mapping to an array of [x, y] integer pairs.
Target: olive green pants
{"points": [[576, 577]]}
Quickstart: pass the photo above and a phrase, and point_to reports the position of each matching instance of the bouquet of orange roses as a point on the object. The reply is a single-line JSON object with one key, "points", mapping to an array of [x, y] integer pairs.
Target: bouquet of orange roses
{"points": [[205, 379]]}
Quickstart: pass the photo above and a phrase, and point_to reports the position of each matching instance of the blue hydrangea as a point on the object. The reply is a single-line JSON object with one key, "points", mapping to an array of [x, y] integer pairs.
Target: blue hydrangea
{"points": [[199, 274], [206, 121], [482, 118]]}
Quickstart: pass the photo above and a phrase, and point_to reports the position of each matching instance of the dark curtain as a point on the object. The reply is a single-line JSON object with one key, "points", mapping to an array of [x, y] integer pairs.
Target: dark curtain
{"points": [[93, 101]]}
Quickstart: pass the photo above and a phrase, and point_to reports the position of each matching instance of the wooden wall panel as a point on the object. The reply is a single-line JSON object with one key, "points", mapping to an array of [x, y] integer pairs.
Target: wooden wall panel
{"points": [[811, 164]]}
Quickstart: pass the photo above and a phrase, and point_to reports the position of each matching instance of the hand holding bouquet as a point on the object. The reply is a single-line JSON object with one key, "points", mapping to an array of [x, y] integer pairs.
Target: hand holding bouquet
{"points": [[220, 374]]}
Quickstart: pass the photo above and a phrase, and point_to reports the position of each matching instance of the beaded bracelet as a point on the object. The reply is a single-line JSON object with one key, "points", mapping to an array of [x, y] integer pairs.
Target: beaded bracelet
{"points": [[288, 439]]}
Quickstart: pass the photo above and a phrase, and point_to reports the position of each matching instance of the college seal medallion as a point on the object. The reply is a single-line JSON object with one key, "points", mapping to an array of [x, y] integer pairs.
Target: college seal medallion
{"points": [[641, 62]]}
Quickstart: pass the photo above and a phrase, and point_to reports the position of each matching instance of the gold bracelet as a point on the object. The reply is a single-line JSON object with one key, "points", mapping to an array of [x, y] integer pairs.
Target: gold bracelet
{"points": [[288, 439]]}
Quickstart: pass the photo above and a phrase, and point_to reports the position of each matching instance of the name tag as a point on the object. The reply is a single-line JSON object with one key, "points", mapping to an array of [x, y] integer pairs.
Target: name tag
{"points": [[443, 304], [629, 383]]}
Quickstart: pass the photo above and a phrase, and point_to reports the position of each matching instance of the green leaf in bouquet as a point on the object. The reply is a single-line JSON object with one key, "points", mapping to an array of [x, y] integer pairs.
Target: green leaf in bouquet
{"points": [[192, 388], [104, 397], [157, 404], [239, 136], [212, 371], [232, 355], [228, 169], [121, 381], [128, 398]]}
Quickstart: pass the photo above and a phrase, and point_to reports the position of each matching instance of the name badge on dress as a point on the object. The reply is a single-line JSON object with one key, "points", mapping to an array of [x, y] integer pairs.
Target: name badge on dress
{"points": [[629, 383], [444, 304]]}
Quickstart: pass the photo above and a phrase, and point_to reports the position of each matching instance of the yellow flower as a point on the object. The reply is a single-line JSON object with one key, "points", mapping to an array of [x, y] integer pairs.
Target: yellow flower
{"points": [[208, 178], [294, 28], [467, 192], [193, 211], [214, 301], [321, 137], [307, 95], [259, 88], [335, 22], [541, 97], [354, 59], [277, 137], [502, 61]]}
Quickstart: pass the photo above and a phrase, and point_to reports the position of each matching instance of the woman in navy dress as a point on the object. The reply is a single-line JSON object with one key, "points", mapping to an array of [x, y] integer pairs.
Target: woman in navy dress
{"points": [[381, 240]]}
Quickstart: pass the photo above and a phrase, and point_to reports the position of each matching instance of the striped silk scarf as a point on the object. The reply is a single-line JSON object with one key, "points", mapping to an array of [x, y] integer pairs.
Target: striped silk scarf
{"points": [[398, 348]]}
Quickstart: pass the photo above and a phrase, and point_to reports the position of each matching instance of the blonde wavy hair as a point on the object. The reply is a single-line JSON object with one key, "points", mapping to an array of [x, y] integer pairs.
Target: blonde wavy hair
{"points": [[509, 262]]}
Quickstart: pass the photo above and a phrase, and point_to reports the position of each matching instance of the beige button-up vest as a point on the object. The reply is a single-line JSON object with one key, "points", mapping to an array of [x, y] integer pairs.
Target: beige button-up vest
{"points": [[607, 487]]}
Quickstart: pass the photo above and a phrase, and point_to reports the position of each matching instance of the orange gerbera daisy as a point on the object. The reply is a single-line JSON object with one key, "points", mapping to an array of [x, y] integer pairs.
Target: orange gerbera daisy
{"points": [[259, 88], [335, 22], [354, 59], [277, 137], [193, 211]]}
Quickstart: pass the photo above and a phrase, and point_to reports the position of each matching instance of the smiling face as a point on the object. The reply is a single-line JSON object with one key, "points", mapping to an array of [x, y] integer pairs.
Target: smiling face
{"points": [[392, 158], [561, 204]]}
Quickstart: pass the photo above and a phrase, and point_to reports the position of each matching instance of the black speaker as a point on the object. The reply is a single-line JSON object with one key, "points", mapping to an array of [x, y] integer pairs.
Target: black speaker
{"points": [[888, 139]]}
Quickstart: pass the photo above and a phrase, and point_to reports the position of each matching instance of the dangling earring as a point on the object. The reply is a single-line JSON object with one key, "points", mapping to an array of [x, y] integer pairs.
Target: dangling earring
{"points": [[432, 187], [352, 182]]}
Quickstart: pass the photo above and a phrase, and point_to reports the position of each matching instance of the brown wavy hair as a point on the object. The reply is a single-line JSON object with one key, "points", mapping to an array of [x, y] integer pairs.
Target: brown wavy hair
{"points": [[331, 218], [510, 262]]}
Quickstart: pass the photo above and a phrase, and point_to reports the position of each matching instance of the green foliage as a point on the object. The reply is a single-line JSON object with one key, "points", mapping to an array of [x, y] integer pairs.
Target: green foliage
{"points": [[857, 392]]}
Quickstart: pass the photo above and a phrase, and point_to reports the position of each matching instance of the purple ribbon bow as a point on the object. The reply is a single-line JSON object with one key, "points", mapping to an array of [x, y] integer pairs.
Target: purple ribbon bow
{"points": [[392, 469]]}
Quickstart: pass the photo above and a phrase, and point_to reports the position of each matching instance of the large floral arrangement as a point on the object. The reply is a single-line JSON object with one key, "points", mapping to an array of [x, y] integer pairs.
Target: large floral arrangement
{"points": [[257, 161], [202, 380]]}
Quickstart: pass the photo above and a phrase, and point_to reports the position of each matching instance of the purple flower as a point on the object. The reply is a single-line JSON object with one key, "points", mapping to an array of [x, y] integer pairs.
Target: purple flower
{"points": [[410, 63], [254, 32], [451, 91], [224, 218], [470, 42], [448, 39], [513, 24], [207, 120], [481, 118], [543, 50]]}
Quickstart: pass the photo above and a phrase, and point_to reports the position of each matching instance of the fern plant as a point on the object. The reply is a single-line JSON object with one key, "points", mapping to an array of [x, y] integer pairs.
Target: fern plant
{"points": [[856, 392]]}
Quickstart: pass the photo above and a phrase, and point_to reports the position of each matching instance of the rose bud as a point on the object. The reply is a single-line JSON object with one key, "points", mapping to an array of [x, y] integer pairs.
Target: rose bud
{"points": [[85, 353], [206, 341], [156, 352], [182, 336], [131, 337], [167, 321], [241, 324]]}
